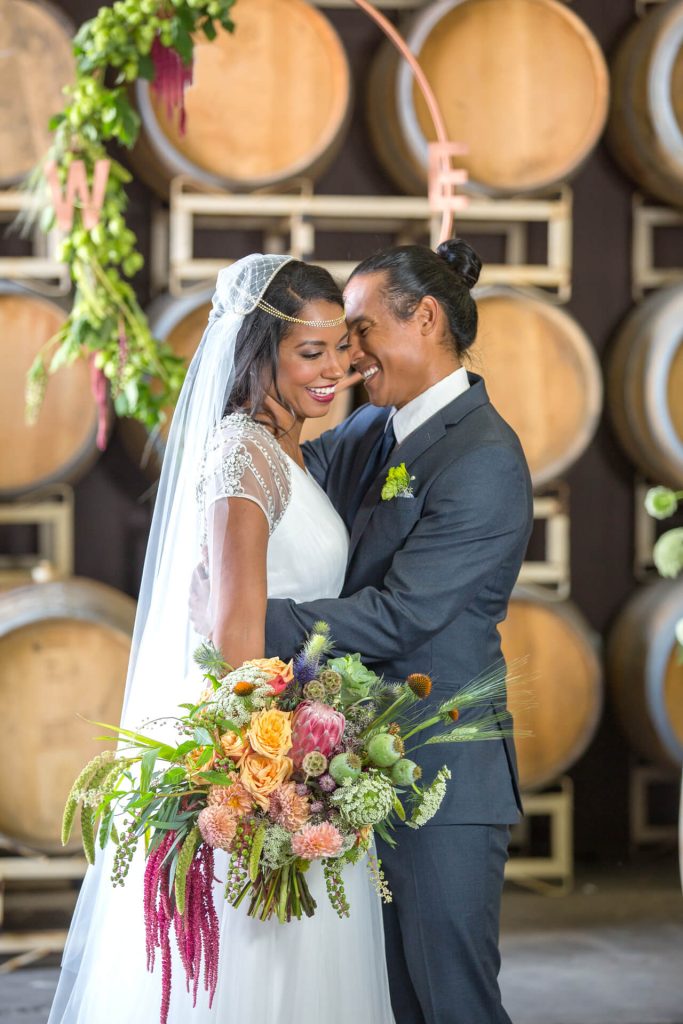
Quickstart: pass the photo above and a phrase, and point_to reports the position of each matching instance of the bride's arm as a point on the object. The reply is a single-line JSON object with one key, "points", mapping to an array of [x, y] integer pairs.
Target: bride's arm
{"points": [[239, 545], [463, 537]]}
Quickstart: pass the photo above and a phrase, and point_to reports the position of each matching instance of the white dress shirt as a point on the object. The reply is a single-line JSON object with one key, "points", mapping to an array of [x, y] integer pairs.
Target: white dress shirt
{"points": [[415, 413]]}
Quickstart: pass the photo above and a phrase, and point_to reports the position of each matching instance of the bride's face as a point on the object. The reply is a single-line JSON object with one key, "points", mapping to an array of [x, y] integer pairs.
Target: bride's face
{"points": [[312, 361]]}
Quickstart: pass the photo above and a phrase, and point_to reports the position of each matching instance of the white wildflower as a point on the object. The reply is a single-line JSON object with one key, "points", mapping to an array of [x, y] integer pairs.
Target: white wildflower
{"points": [[430, 799]]}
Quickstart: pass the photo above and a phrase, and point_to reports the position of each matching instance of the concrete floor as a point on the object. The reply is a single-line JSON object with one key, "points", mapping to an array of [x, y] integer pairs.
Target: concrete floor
{"points": [[611, 952]]}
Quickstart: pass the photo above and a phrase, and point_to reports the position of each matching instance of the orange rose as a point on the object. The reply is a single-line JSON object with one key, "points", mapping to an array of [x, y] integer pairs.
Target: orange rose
{"points": [[191, 765], [274, 667], [261, 775], [234, 745], [270, 732]]}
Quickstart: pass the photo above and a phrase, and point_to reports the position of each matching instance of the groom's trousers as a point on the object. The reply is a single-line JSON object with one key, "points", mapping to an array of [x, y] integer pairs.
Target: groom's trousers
{"points": [[441, 928]]}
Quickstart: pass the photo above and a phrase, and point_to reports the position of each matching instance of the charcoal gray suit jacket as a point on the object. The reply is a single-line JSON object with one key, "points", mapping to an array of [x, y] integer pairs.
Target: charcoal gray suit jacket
{"points": [[429, 577]]}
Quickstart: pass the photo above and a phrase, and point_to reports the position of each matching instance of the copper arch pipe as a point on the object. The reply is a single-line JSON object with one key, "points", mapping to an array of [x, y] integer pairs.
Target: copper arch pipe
{"points": [[430, 99]]}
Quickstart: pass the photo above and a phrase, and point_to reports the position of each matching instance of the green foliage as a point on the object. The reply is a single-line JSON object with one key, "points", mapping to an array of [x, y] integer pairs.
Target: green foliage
{"points": [[68, 817], [106, 322], [357, 680], [183, 863], [88, 833], [256, 849], [98, 767]]}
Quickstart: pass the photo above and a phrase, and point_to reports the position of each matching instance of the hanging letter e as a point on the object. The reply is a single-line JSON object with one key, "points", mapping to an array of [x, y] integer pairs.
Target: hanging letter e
{"points": [[77, 191], [444, 177]]}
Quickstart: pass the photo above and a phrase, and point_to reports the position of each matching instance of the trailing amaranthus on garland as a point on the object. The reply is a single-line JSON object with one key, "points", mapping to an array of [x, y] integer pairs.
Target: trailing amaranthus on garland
{"points": [[151, 39]]}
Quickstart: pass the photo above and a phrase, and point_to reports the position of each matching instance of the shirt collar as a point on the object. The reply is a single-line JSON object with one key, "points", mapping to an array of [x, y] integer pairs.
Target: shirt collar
{"points": [[423, 407]]}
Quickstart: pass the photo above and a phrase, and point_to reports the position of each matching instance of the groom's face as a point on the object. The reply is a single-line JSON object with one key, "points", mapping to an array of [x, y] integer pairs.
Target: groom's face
{"points": [[392, 355]]}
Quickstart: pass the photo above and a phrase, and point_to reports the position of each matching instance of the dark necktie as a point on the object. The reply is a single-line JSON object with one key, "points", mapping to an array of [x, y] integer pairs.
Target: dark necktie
{"points": [[377, 458]]}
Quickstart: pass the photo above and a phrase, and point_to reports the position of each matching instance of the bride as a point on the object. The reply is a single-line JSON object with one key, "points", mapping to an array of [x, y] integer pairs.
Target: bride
{"points": [[235, 499]]}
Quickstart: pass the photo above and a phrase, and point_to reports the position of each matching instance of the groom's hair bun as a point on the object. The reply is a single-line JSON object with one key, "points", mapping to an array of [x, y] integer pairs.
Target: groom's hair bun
{"points": [[461, 259]]}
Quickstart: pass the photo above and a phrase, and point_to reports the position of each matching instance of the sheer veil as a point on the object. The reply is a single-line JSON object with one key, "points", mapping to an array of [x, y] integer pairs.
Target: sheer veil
{"points": [[163, 639]]}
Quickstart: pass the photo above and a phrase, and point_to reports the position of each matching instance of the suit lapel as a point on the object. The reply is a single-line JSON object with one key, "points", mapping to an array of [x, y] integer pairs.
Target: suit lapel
{"points": [[361, 454], [414, 446]]}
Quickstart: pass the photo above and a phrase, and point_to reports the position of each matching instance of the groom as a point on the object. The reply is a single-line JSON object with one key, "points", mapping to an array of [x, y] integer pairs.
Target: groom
{"points": [[428, 578]]}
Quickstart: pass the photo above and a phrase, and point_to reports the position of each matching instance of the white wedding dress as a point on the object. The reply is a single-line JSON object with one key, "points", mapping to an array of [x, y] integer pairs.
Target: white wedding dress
{"points": [[321, 970]]}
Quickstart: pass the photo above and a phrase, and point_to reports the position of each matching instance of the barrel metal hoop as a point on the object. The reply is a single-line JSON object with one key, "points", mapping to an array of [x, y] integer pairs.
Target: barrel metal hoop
{"points": [[656, 662], [659, 89]]}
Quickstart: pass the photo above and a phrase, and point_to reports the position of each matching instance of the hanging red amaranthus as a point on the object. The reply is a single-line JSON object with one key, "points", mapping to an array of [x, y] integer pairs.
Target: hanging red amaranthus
{"points": [[98, 384], [171, 79], [196, 930]]}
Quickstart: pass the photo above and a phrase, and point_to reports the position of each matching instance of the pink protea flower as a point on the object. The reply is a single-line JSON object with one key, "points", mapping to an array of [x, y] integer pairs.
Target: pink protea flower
{"points": [[235, 798], [288, 808], [315, 726], [315, 841], [217, 826]]}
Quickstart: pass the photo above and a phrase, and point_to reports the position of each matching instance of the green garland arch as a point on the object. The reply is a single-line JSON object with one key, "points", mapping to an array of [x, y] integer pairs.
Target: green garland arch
{"points": [[129, 40]]}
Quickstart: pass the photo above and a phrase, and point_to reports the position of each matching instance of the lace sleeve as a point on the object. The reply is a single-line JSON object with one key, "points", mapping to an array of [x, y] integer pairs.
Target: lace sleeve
{"points": [[244, 460]]}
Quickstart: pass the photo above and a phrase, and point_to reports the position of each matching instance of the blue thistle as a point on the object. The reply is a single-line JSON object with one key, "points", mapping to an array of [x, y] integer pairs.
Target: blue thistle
{"points": [[307, 662], [304, 670]]}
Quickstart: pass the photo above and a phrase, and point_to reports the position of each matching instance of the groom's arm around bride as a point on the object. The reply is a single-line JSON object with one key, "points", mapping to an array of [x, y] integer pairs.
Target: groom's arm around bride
{"points": [[429, 577]]}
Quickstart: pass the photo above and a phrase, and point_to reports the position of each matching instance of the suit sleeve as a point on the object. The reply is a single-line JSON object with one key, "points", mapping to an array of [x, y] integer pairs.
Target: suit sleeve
{"points": [[476, 515], [321, 453], [318, 454]]}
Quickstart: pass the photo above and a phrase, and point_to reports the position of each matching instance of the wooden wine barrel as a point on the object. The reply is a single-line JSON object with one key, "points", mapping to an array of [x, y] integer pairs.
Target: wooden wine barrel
{"points": [[565, 683], [645, 386], [645, 128], [268, 103], [36, 62], [645, 676], [523, 83], [64, 650], [61, 446], [541, 374], [181, 322]]}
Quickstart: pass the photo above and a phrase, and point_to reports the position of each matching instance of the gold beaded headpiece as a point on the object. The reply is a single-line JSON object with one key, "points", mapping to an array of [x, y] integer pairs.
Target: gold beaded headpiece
{"points": [[267, 308]]}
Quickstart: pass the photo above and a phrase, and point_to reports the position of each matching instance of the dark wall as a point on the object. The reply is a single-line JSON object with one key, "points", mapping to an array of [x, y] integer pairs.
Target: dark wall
{"points": [[113, 509]]}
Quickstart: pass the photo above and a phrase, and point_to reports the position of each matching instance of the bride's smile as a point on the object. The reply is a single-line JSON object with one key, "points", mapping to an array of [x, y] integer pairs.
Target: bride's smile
{"points": [[312, 361]]}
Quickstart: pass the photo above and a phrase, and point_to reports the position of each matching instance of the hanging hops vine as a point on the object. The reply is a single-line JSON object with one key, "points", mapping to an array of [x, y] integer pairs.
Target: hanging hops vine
{"points": [[151, 39]]}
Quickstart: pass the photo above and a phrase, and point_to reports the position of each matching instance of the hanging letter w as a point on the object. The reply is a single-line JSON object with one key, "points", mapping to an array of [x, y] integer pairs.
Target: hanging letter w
{"points": [[77, 191]]}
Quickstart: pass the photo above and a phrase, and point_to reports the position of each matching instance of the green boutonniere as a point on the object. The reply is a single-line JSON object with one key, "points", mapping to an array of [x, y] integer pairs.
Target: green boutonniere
{"points": [[398, 483]]}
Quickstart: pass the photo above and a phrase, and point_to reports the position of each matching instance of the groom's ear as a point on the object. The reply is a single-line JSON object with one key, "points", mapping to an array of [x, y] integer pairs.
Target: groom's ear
{"points": [[429, 316]]}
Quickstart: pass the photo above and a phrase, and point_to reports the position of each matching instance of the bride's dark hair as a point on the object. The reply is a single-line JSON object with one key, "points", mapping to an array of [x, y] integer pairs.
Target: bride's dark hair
{"points": [[259, 338], [414, 271]]}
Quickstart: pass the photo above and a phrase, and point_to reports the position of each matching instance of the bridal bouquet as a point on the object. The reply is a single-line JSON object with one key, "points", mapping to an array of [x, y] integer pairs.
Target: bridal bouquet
{"points": [[278, 765]]}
